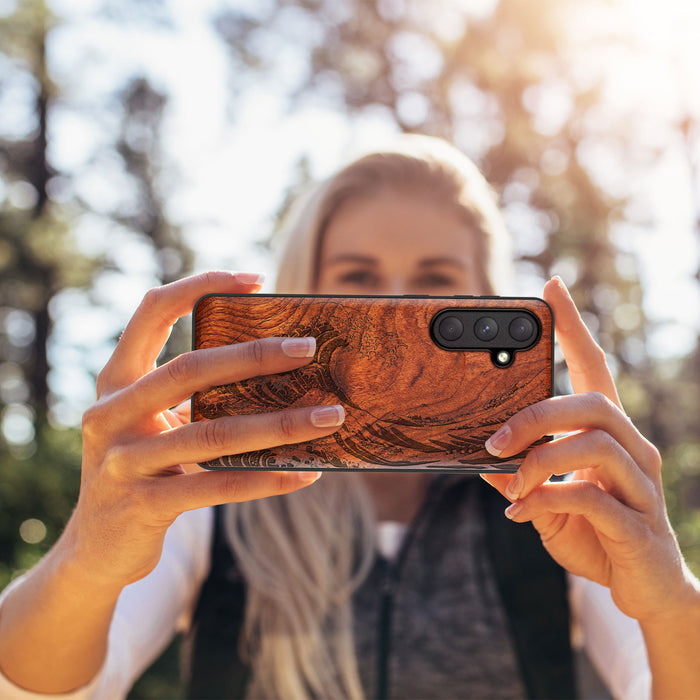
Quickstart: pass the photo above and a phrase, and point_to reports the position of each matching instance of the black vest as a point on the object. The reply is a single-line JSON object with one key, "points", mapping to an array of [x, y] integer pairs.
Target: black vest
{"points": [[532, 588]]}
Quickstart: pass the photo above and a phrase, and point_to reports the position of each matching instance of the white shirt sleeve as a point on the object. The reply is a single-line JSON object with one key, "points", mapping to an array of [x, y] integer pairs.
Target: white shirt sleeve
{"points": [[148, 612], [612, 640]]}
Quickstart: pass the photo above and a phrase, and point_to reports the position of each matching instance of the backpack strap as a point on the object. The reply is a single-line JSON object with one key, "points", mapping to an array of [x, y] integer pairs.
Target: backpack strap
{"points": [[534, 593], [213, 667]]}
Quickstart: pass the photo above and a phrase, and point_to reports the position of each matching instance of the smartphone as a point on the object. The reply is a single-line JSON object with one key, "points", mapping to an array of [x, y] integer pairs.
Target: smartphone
{"points": [[424, 381]]}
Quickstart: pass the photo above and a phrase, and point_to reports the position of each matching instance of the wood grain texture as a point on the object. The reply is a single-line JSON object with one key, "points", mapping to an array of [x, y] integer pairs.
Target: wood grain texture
{"points": [[409, 404]]}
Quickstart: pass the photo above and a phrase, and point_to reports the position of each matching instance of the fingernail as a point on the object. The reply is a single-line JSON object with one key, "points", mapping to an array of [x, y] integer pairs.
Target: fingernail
{"points": [[560, 282], [515, 486], [498, 441], [513, 509], [299, 347], [328, 416], [250, 277], [309, 477]]}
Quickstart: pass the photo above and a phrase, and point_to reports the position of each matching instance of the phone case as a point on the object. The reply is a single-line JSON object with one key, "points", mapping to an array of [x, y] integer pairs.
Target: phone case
{"points": [[410, 405]]}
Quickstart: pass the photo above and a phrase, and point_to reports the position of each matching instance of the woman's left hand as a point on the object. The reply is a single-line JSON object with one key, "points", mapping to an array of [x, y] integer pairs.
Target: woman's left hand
{"points": [[609, 524]]}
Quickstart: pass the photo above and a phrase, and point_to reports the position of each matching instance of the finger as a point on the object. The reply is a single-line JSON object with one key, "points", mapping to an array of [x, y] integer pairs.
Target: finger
{"points": [[564, 414], [181, 414], [583, 498], [498, 481], [200, 370], [177, 416], [585, 359], [210, 439], [594, 450], [149, 327], [183, 492]]}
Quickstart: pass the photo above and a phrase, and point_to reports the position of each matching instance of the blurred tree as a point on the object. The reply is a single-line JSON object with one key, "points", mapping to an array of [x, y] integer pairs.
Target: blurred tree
{"points": [[139, 146], [41, 261], [37, 256], [37, 259]]}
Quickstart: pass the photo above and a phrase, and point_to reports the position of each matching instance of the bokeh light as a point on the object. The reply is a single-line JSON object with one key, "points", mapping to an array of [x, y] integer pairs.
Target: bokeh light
{"points": [[32, 531]]}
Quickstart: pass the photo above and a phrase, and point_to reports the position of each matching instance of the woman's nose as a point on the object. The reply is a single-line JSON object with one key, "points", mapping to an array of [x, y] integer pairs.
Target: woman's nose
{"points": [[398, 287]]}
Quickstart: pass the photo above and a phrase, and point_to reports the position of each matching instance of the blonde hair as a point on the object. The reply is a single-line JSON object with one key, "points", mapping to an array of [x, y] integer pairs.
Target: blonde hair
{"points": [[302, 556], [305, 553]]}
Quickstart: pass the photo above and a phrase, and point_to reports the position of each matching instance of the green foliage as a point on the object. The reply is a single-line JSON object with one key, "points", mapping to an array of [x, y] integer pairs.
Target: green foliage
{"points": [[682, 484], [39, 481]]}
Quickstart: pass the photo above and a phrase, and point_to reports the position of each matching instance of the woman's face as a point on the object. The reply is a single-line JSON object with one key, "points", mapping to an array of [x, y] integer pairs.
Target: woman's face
{"points": [[398, 243]]}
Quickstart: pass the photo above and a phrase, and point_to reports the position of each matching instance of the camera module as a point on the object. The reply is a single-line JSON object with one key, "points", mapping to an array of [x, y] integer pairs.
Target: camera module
{"points": [[521, 329], [486, 329], [451, 328], [502, 332]]}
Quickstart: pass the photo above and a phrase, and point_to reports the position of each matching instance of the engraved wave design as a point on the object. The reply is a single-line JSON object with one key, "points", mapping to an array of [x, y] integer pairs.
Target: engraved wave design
{"points": [[283, 390]]}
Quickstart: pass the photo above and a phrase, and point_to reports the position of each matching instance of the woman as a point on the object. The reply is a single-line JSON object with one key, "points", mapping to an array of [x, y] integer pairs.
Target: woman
{"points": [[418, 220]]}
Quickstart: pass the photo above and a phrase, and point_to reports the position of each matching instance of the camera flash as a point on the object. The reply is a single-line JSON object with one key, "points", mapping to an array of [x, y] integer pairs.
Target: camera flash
{"points": [[503, 357]]}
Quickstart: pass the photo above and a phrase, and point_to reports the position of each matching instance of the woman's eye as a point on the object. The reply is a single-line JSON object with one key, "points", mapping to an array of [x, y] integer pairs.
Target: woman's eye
{"points": [[435, 281], [361, 278]]}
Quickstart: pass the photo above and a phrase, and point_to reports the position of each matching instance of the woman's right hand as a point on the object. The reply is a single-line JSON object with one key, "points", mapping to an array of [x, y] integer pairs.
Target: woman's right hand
{"points": [[139, 460]]}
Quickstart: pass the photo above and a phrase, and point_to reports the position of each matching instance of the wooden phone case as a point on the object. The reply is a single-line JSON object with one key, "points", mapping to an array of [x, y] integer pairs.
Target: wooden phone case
{"points": [[410, 405]]}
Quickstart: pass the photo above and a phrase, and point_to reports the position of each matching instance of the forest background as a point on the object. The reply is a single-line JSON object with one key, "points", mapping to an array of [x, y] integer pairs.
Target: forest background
{"points": [[141, 140]]}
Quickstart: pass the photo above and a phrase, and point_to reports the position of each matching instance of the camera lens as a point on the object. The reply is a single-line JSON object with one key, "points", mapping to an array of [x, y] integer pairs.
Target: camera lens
{"points": [[485, 328], [451, 328], [521, 328]]}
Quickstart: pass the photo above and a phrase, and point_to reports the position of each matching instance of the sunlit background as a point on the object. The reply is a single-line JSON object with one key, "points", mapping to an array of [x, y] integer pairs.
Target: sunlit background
{"points": [[142, 140]]}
